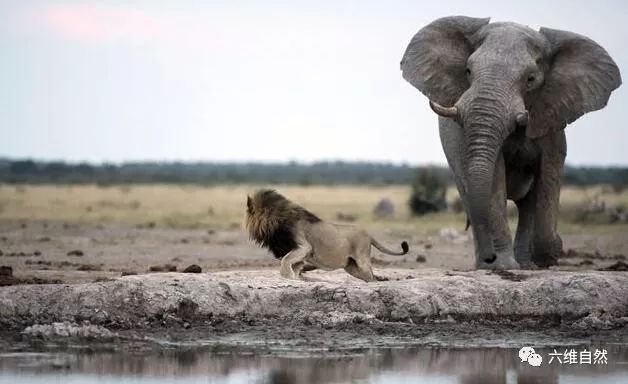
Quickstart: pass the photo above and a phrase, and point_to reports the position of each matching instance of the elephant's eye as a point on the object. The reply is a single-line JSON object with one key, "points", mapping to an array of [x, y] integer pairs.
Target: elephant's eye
{"points": [[531, 79], [468, 72]]}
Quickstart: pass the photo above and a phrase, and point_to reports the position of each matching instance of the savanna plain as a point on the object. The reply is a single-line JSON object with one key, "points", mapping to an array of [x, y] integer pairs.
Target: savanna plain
{"points": [[84, 233]]}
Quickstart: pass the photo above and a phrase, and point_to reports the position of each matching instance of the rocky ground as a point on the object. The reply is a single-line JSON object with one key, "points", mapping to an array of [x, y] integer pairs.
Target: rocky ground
{"points": [[410, 304], [105, 285]]}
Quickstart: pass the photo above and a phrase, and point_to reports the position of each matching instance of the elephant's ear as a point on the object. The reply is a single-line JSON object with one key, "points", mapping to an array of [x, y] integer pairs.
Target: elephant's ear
{"points": [[580, 79], [436, 59]]}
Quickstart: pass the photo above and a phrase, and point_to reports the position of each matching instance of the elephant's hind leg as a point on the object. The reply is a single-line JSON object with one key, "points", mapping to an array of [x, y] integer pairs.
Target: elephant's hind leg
{"points": [[546, 244], [525, 231]]}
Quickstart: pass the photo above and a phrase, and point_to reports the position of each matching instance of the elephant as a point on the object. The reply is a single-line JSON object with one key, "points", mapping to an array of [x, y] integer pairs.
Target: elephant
{"points": [[504, 94]]}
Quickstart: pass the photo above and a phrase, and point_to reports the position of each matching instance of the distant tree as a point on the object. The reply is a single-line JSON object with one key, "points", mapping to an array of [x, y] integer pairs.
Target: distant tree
{"points": [[23, 167], [324, 172], [428, 191]]}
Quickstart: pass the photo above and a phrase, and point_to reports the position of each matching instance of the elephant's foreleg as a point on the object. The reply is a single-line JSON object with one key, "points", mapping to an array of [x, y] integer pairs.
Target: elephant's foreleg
{"points": [[498, 221], [452, 141], [453, 144]]}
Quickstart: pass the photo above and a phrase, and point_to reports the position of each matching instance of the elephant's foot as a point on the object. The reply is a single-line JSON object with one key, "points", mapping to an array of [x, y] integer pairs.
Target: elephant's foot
{"points": [[546, 253], [523, 254], [544, 261], [530, 266], [505, 260]]}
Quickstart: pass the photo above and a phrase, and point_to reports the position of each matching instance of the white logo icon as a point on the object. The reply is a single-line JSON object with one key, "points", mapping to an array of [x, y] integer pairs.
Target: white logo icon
{"points": [[535, 360], [528, 354]]}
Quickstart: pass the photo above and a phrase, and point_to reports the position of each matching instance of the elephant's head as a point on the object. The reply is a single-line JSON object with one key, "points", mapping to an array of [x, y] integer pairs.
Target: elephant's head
{"points": [[493, 78]]}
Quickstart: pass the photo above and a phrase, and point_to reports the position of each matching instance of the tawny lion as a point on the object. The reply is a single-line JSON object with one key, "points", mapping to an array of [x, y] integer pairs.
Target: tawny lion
{"points": [[303, 241]]}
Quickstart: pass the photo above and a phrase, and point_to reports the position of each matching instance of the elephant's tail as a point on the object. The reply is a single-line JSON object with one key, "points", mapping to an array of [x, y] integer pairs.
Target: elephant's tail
{"points": [[404, 248]]}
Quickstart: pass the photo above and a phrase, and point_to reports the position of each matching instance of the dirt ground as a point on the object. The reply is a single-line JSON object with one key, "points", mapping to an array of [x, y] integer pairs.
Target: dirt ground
{"points": [[233, 269], [47, 251]]}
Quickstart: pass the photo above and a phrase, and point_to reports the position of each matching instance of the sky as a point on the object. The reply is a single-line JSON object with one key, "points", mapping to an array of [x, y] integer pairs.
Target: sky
{"points": [[114, 81]]}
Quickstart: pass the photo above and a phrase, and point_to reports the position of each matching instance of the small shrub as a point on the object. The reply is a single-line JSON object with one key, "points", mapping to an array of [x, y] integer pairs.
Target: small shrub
{"points": [[428, 192]]}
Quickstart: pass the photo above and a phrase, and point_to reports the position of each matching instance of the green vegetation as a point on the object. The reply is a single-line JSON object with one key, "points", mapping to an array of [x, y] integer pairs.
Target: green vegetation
{"points": [[205, 173], [429, 190]]}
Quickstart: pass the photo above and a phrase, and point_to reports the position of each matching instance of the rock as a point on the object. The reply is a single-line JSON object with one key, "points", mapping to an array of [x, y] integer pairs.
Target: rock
{"points": [[571, 253], [128, 273], [76, 252], [102, 279], [69, 330], [5, 270], [89, 267], [163, 268], [193, 269], [451, 234], [618, 266], [11, 280], [618, 215], [348, 217], [420, 259], [329, 299], [385, 209]]}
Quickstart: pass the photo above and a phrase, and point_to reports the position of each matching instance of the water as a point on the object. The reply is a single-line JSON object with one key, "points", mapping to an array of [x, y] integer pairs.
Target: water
{"points": [[236, 366]]}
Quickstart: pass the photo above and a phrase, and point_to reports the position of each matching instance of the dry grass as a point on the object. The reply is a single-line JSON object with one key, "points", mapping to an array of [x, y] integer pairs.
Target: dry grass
{"points": [[223, 206]]}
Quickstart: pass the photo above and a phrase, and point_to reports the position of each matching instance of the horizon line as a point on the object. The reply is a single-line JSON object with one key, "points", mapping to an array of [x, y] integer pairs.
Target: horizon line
{"points": [[262, 162]]}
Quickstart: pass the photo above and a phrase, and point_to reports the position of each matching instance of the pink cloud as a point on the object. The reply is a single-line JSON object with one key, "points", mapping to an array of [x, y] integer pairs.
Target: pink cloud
{"points": [[97, 23]]}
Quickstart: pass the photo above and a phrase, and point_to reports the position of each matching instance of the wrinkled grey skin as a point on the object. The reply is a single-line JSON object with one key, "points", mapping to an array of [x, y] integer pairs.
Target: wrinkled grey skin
{"points": [[514, 90]]}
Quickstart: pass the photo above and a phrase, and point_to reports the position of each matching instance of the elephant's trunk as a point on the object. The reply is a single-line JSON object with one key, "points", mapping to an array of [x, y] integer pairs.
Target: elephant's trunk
{"points": [[485, 120]]}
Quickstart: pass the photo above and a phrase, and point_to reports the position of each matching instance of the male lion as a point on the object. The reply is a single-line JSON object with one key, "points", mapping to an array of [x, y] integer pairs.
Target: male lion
{"points": [[303, 241]]}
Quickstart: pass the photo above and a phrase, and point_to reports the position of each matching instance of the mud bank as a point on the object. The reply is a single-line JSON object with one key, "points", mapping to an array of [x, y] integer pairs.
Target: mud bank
{"points": [[583, 300]]}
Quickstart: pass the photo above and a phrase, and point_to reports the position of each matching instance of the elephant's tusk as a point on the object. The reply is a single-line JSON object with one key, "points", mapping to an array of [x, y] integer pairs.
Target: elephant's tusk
{"points": [[522, 119], [444, 111]]}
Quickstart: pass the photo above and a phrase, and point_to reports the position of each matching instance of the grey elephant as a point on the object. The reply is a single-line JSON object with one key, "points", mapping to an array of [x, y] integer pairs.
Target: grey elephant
{"points": [[504, 94]]}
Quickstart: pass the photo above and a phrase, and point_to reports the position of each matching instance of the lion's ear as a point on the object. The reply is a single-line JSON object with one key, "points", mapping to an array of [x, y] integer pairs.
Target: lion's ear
{"points": [[249, 202]]}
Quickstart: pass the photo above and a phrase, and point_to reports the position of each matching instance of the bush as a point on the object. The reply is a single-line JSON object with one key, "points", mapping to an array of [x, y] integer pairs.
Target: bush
{"points": [[428, 192]]}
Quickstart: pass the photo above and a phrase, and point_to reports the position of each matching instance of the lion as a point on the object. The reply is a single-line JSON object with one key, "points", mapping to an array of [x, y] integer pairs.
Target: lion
{"points": [[304, 242]]}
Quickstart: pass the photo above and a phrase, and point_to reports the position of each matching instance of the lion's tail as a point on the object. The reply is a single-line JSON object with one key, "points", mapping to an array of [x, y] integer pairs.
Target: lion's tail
{"points": [[404, 248]]}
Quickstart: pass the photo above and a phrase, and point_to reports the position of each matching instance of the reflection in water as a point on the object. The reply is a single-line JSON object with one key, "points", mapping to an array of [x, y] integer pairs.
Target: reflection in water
{"points": [[401, 365]]}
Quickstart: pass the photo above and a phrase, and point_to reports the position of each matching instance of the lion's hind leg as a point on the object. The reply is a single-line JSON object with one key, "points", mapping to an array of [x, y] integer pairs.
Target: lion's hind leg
{"points": [[359, 263], [362, 271], [309, 267]]}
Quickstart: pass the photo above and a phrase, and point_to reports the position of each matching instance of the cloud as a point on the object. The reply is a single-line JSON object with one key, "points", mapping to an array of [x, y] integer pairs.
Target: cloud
{"points": [[95, 23]]}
